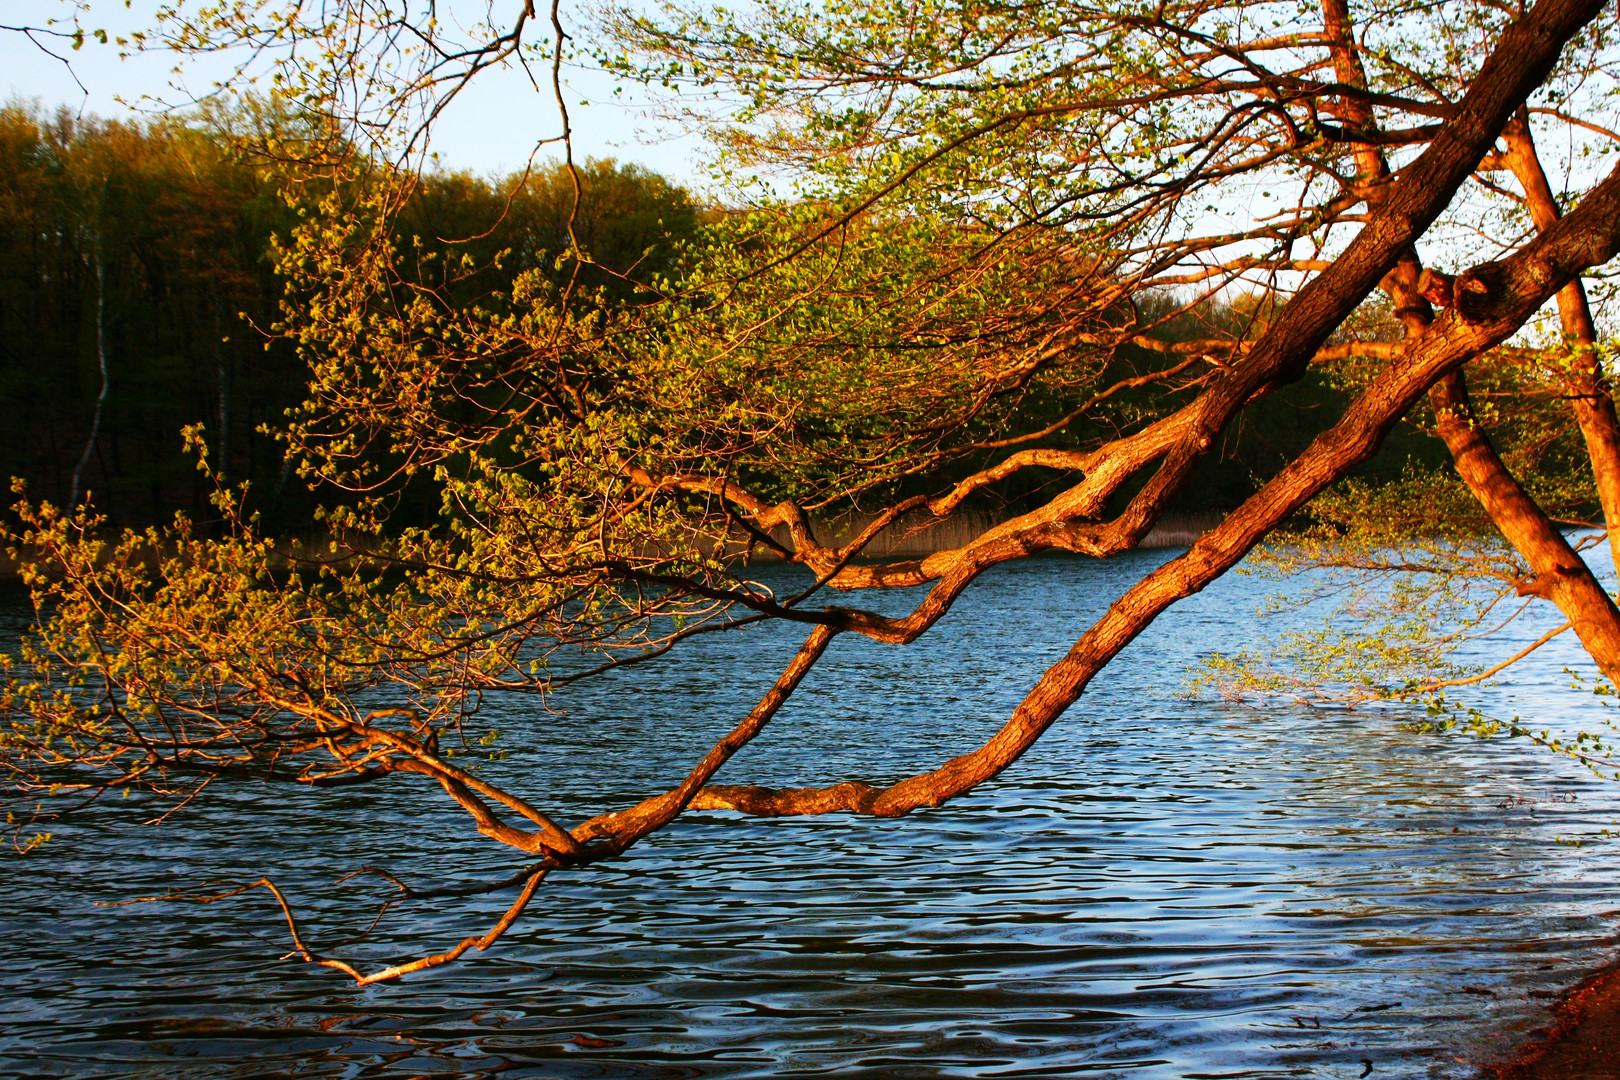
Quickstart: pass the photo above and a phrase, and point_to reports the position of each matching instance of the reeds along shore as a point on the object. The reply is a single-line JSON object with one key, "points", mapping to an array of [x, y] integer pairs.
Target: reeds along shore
{"points": [[915, 538], [906, 539]]}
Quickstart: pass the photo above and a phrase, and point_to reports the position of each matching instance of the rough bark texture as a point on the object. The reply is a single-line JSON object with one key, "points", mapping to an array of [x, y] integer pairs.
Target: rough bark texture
{"points": [[1561, 575]]}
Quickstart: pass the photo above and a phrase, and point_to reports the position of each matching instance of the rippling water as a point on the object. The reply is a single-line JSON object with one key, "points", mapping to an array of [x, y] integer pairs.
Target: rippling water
{"points": [[1161, 888]]}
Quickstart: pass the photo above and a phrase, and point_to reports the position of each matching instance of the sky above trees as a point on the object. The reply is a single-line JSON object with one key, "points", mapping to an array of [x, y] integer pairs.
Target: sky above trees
{"points": [[491, 130]]}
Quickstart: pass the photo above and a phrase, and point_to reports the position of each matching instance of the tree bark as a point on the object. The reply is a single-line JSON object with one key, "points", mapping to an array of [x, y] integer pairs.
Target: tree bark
{"points": [[1561, 575], [1590, 398], [1503, 295]]}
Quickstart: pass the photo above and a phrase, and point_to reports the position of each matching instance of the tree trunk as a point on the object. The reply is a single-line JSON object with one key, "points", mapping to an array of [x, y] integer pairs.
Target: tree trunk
{"points": [[1584, 380], [1561, 575], [101, 359]]}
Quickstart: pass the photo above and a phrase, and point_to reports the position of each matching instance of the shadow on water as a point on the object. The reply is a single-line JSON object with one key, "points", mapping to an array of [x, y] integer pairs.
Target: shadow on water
{"points": [[1163, 887]]}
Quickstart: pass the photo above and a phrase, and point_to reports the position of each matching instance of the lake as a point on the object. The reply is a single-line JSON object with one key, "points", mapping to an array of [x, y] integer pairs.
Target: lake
{"points": [[1163, 887]]}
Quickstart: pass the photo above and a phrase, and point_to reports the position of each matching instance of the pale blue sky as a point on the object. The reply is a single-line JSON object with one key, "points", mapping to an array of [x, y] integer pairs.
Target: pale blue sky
{"points": [[491, 128]]}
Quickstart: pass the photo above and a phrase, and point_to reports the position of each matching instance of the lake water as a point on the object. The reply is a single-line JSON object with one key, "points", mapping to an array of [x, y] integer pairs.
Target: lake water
{"points": [[1163, 887]]}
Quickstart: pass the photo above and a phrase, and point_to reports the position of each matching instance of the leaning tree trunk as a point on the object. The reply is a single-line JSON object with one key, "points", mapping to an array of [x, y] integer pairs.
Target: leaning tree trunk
{"points": [[1559, 573], [1584, 381]]}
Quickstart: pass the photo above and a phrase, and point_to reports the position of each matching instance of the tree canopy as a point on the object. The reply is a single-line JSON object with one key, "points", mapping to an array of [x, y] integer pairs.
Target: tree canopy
{"points": [[1060, 254]]}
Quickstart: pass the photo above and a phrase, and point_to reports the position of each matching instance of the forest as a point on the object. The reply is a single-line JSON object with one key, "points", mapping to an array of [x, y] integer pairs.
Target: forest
{"points": [[139, 295], [140, 258]]}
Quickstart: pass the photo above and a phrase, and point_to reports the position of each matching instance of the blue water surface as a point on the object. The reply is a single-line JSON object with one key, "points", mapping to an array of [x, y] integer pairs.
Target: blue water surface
{"points": [[1163, 887]]}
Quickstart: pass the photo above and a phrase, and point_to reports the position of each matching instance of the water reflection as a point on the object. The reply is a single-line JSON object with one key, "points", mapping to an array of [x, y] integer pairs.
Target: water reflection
{"points": [[1162, 888]]}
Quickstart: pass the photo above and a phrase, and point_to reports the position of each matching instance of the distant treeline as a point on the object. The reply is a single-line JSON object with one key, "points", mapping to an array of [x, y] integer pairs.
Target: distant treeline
{"points": [[137, 279], [138, 294]]}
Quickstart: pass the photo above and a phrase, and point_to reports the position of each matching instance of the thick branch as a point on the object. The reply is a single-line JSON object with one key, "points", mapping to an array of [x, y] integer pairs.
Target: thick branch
{"points": [[1510, 292], [1561, 575], [620, 830]]}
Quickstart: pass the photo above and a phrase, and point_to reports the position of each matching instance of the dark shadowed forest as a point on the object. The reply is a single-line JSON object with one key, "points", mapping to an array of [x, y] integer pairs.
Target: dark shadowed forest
{"points": [[139, 296]]}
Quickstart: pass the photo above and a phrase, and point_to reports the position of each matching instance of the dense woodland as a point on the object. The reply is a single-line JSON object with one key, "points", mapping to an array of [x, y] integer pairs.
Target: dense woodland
{"points": [[164, 234]]}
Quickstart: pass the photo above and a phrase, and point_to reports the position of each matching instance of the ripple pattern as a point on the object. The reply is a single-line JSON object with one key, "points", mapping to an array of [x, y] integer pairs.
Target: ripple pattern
{"points": [[1164, 887]]}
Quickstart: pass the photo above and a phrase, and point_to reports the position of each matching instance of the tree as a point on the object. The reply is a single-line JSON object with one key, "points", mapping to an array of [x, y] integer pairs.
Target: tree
{"points": [[129, 252], [1001, 213], [138, 263]]}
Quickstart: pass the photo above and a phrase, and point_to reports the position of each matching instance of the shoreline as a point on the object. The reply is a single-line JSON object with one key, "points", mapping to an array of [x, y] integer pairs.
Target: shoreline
{"points": [[909, 538], [1581, 1041]]}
